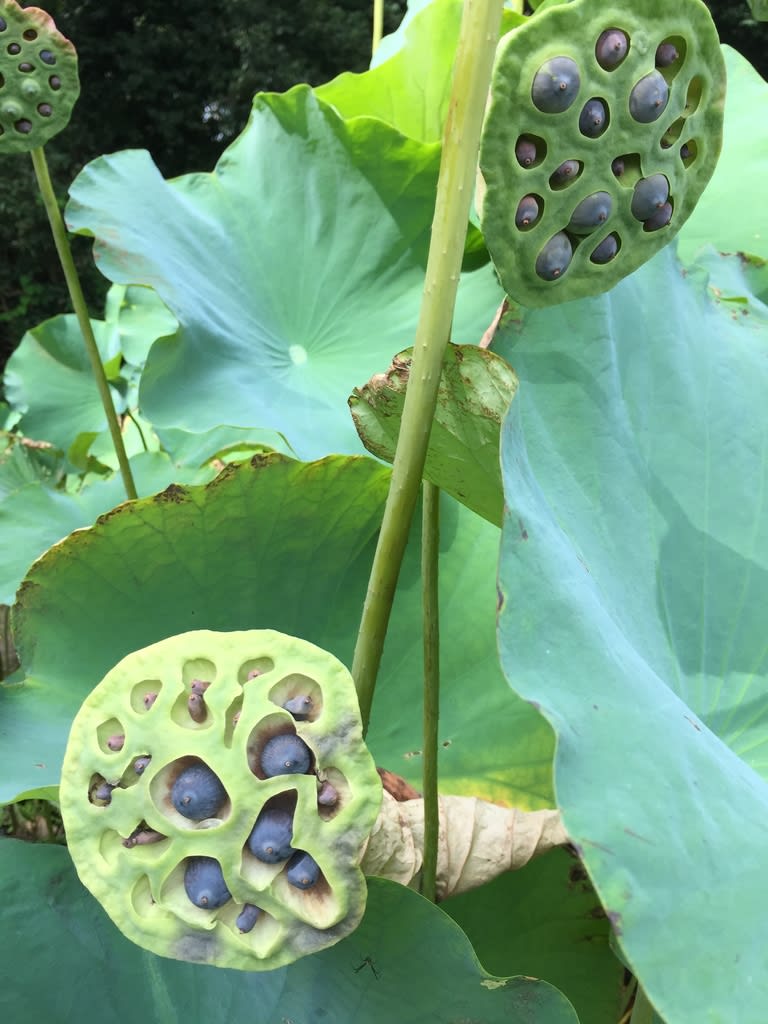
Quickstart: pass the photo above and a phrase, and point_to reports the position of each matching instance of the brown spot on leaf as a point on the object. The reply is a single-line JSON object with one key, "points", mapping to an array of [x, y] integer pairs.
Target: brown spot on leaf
{"points": [[173, 493]]}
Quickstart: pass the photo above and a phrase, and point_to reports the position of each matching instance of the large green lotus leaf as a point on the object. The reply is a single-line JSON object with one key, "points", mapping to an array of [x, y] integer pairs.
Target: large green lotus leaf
{"points": [[290, 287], [407, 961], [139, 318], [49, 380], [285, 545], [545, 921], [732, 214], [476, 387], [634, 578]]}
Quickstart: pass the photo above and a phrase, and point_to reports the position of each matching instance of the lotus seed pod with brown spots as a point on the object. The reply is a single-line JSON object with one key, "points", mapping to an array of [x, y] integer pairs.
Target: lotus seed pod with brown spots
{"points": [[589, 100], [196, 857]]}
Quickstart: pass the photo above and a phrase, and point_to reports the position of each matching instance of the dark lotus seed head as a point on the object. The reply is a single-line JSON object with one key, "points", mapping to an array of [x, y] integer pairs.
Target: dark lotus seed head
{"points": [[45, 109], [13, 49], [55, 82], [555, 85], [327, 796], [567, 171], [204, 883], [666, 54], [659, 219], [593, 119], [198, 793], [300, 707], [591, 213], [270, 838], [23, 126], [606, 250], [149, 700], [198, 712], [47, 57], [3, 24], [527, 212], [685, 151], [649, 97], [303, 871], [103, 792], [199, 686], [617, 166], [141, 763], [285, 754], [649, 195], [525, 151], [116, 742], [26, 67], [247, 917], [611, 48], [555, 258]]}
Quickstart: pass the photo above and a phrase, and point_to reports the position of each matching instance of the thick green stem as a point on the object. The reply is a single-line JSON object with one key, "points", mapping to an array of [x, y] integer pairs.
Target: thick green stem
{"points": [[378, 24], [61, 241], [461, 140], [430, 547]]}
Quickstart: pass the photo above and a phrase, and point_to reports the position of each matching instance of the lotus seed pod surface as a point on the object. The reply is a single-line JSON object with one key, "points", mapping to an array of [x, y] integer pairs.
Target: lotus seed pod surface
{"points": [[185, 833]]}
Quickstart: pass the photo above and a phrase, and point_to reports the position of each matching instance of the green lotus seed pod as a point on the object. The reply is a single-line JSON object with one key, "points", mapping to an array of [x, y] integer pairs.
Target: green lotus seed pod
{"points": [[303, 871], [649, 195], [36, 103], [591, 213], [649, 113], [285, 755], [270, 839], [555, 85], [169, 854]]}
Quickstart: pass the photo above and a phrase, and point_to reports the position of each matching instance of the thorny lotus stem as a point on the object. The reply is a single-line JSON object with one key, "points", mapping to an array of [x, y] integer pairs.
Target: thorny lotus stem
{"points": [[430, 545], [461, 140], [61, 241], [378, 24]]}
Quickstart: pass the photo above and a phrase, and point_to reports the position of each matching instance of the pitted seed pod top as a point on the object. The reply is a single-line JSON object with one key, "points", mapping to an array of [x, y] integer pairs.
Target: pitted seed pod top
{"points": [[592, 101]]}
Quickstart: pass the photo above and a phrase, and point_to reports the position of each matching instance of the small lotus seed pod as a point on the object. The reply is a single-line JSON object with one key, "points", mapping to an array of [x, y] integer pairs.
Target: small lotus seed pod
{"points": [[593, 119], [606, 250], [285, 754], [300, 707], [566, 172], [617, 166], [140, 763], [555, 85], [659, 219], [149, 700], [198, 793], [327, 796], [198, 711], [303, 871], [525, 151], [649, 195], [555, 258], [666, 54], [591, 213], [611, 48], [116, 742], [247, 917], [270, 838], [204, 883], [527, 212], [649, 97], [199, 686]]}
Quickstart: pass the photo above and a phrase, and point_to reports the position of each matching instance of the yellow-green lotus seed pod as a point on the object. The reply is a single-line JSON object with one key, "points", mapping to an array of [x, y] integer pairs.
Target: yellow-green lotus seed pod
{"points": [[38, 78], [587, 100], [234, 838]]}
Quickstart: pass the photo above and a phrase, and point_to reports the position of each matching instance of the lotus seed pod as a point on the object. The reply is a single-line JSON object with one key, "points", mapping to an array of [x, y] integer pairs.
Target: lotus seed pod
{"points": [[591, 213], [555, 85], [270, 838], [303, 871], [204, 883], [197, 709], [525, 151], [593, 119], [198, 793], [611, 48], [649, 112], [554, 259], [141, 763], [299, 707], [527, 212], [247, 917], [285, 754], [116, 742], [659, 219], [36, 101], [649, 195], [170, 855]]}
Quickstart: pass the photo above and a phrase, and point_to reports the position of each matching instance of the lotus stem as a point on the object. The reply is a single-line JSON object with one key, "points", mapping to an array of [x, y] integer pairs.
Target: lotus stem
{"points": [[430, 545]]}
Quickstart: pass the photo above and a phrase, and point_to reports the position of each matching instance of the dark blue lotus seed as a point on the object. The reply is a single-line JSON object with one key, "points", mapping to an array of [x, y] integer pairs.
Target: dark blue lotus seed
{"points": [[13, 49], [525, 151], [659, 219], [327, 795], [685, 151], [650, 194], [270, 838], [285, 754], [649, 98], [555, 258], [611, 48], [198, 793], [23, 126], [593, 119], [141, 763], [44, 109], [302, 871], [247, 917], [528, 211], [3, 24], [666, 54], [591, 213], [617, 166], [47, 57], [606, 250], [204, 883], [567, 171], [555, 85], [300, 707]]}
